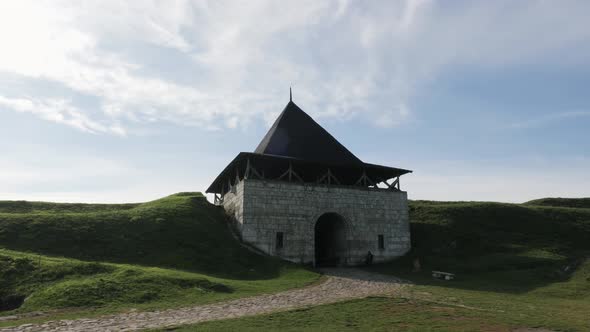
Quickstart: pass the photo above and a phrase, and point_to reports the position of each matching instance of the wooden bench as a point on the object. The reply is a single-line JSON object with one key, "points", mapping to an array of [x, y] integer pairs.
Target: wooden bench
{"points": [[443, 275]]}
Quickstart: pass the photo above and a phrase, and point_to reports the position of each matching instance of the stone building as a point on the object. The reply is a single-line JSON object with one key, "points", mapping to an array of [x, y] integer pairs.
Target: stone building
{"points": [[302, 196]]}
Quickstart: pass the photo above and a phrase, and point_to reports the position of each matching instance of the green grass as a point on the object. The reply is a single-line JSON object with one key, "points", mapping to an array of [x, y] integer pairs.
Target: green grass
{"points": [[81, 259], [510, 263], [371, 314], [35, 207], [563, 202], [555, 302], [509, 258], [181, 231], [473, 229], [59, 283]]}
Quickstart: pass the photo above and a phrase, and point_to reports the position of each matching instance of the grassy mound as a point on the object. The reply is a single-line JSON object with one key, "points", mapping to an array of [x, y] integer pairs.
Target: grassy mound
{"points": [[174, 251], [181, 231], [61, 282], [496, 246], [582, 203], [501, 232], [33, 282], [529, 265], [33, 207]]}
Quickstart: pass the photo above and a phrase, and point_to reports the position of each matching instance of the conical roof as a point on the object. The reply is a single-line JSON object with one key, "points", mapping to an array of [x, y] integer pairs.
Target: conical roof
{"points": [[296, 135]]}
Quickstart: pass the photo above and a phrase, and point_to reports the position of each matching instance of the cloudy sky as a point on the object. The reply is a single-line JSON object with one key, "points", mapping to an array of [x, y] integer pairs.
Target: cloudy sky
{"points": [[124, 101]]}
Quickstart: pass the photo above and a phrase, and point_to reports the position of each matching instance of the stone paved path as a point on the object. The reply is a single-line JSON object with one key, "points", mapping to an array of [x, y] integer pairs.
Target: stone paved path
{"points": [[341, 284]]}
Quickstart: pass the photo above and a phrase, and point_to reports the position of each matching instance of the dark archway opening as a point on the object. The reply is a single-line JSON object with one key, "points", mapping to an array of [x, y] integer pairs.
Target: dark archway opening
{"points": [[330, 240]]}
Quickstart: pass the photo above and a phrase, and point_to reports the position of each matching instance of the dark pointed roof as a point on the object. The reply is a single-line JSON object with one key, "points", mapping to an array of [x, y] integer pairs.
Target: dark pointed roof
{"points": [[296, 141], [296, 135]]}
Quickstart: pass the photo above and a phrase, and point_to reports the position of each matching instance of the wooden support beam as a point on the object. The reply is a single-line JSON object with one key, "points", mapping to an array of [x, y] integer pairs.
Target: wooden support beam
{"points": [[286, 173], [387, 184], [371, 182], [297, 176], [247, 171], [361, 180], [217, 199], [333, 177], [290, 174], [253, 171], [364, 180], [328, 178], [396, 183]]}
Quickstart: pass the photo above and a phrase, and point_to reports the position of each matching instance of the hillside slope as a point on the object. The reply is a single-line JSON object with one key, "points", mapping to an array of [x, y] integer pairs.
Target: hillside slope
{"points": [[181, 231], [474, 229], [517, 265], [174, 251], [30, 282], [582, 203]]}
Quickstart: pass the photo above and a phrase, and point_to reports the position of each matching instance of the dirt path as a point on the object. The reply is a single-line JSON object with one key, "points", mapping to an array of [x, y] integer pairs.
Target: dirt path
{"points": [[341, 284]]}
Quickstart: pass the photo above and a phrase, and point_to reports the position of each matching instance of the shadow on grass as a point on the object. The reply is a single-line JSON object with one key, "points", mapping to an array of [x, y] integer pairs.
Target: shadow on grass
{"points": [[493, 246], [506, 272], [180, 231], [516, 280]]}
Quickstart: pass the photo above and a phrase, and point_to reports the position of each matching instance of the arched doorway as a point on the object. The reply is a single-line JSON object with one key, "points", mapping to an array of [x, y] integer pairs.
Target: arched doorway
{"points": [[330, 240]]}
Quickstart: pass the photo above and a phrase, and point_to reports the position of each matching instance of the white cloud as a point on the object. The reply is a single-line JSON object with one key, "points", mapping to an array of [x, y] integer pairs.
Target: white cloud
{"points": [[60, 111], [24, 171], [394, 117], [345, 59]]}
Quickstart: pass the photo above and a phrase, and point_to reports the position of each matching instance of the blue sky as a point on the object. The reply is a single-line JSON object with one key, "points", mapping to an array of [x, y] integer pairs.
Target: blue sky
{"points": [[112, 101]]}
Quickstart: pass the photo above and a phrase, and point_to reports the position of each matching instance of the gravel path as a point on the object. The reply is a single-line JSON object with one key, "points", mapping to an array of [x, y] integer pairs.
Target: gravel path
{"points": [[341, 284]]}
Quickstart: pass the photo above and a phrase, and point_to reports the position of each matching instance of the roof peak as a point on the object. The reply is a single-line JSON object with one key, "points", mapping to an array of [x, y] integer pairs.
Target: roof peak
{"points": [[295, 134]]}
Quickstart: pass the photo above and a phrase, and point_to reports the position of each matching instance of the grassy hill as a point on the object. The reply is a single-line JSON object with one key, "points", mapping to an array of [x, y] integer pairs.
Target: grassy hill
{"points": [[516, 265], [583, 203], [174, 251], [180, 231], [36, 207], [81, 288], [497, 235]]}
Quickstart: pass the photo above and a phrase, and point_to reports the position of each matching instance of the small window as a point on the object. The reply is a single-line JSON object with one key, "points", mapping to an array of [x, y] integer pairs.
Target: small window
{"points": [[279, 241], [381, 242]]}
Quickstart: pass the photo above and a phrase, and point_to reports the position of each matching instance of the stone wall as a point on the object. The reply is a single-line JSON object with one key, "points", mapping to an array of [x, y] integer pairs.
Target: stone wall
{"points": [[233, 205], [263, 208]]}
